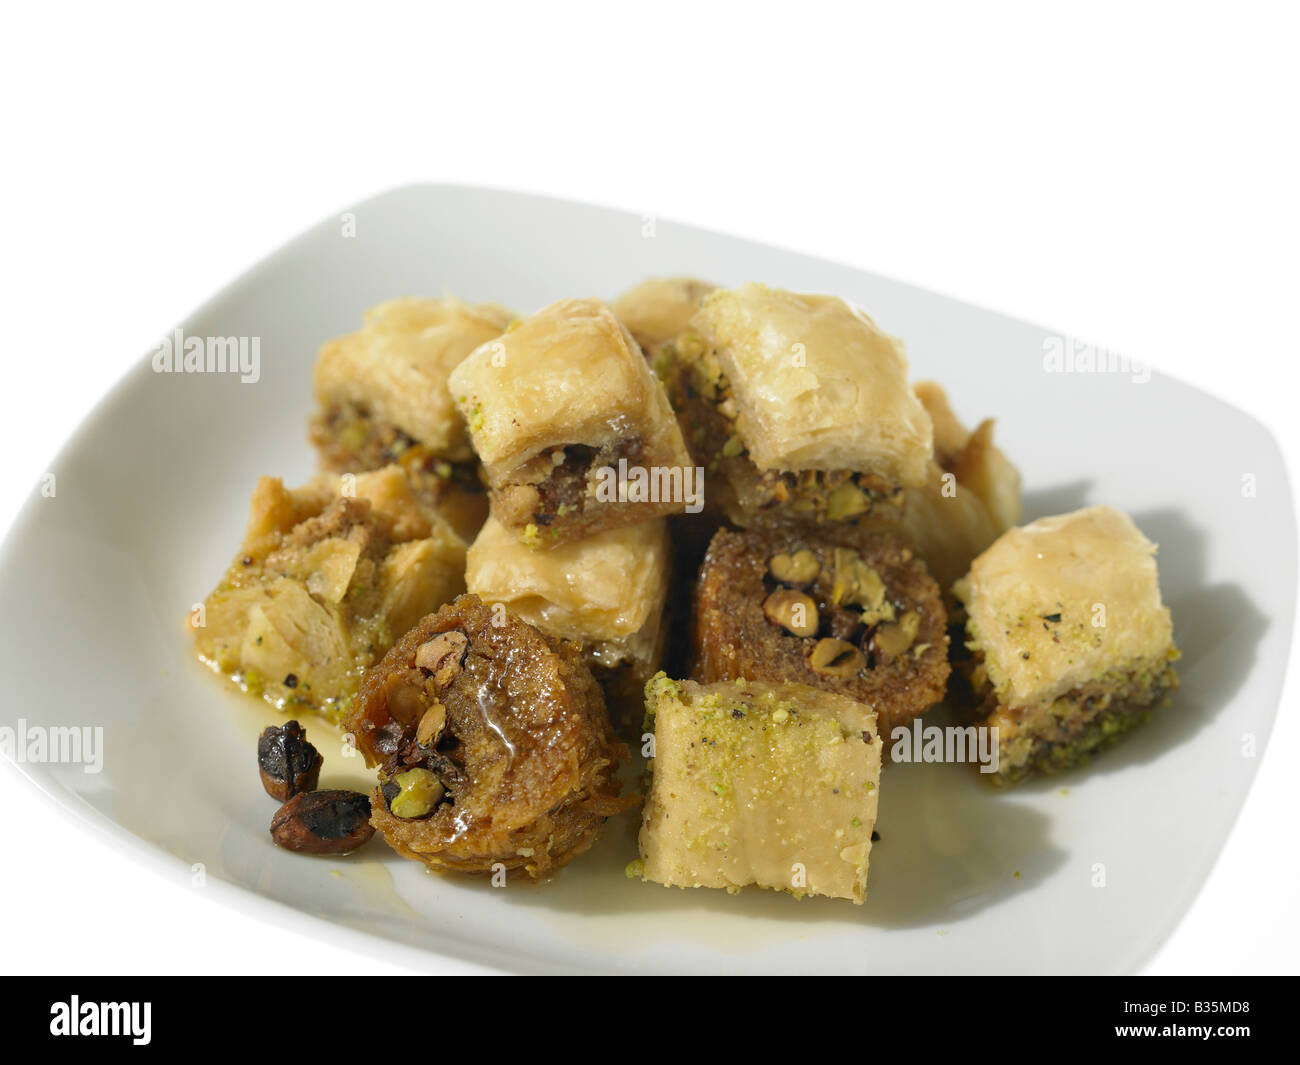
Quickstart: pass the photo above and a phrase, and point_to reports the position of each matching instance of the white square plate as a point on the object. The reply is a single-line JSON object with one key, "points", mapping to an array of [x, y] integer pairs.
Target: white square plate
{"points": [[1086, 872]]}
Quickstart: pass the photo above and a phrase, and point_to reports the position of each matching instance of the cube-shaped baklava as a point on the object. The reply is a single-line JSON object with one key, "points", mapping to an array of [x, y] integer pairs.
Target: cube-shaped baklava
{"points": [[605, 591], [771, 785], [801, 404], [328, 576], [660, 309], [382, 398], [1071, 643], [575, 432], [971, 494], [835, 607]]}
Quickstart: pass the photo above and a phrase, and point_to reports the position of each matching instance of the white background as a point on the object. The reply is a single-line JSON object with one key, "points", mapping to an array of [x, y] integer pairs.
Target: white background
{"points": [[1126, 173]]}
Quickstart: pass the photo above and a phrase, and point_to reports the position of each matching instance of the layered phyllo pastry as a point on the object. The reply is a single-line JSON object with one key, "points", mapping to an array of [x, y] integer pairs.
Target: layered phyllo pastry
{"points": [[836, 608], [492, 744], [574, 431], [971, 493], [382, 396], [769, 785], [1071, 644], [797, 405], [606, 592], [659, 310], [328, 576]]}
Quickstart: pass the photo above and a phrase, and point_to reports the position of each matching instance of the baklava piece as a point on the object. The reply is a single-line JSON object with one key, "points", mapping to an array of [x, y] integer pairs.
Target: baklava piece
{"points": [[493, 746], [659, 310], [1071, 645], [970, 497], [771, 785], [575, 432], [837, 608], [606, 591], [382, 398], [328, 576], [800, 404]]}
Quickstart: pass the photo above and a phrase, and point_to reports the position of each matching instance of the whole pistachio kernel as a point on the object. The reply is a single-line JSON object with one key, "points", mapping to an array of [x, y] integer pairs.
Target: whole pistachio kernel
{"points": [[836, 658], [793, 611], [800, 568], [421, 791]]}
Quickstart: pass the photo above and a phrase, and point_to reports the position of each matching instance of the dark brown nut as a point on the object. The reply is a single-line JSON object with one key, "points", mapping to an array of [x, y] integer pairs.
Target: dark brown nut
{"points": [[289, 765], [836, 658], [442, 656], [800, 568], [844, 624], [793, 611], [323, 822]]}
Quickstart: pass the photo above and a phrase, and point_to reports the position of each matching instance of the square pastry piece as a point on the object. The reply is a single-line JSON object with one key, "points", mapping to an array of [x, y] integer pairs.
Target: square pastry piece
{"points": [[1072, 646], [606, 591], [382, 398], [834, 607], [574, 430], [773, 785], [801, 403]]}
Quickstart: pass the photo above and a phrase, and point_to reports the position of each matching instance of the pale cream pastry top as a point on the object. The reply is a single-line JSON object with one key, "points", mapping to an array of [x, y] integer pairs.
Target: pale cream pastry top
{"points": [[1066, 601], [818, 386]]}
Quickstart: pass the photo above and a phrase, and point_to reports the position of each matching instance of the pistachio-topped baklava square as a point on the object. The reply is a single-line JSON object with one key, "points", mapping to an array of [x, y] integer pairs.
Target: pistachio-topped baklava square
{"points": [[802, 404], [1072, 644], [770, 785], [573, 429]]}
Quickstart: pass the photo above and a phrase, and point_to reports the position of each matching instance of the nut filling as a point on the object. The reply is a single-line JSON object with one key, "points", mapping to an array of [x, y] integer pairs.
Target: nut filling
{"points": [[841, 609], [707, 412], [492, 743]]}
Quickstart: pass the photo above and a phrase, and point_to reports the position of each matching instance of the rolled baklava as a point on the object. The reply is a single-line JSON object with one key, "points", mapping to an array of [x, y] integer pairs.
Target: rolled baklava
{"points": [[606, 592], [971, 494], [799, 404], [1071, 644], [771, 785], [834, 607], [575, 432], [327, 577], [382, 398], [492, 743], [659, 310]]}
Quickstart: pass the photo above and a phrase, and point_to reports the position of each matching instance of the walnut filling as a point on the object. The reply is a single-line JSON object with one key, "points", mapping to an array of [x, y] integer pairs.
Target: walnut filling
{"points": [[710, 420]]}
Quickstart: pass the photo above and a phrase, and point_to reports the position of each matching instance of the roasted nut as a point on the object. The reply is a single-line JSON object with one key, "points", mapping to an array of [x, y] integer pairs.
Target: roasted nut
{"points": [[793, 611], [836, 658], [419, 791], [800, 568], [431, 725], [323, 822], [442, 656], [289, 765], [406, 699], [894, 639]]}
